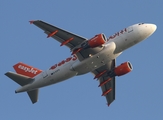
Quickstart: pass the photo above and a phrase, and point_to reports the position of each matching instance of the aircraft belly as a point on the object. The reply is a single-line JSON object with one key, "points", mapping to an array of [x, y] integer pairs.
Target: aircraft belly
{"points": [[53, 76], [61, 76], [96, 61]]}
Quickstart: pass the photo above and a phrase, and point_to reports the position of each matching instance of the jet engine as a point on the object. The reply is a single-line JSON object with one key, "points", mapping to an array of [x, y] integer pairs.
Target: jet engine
{"points": [[122, 69], [96, 41]]}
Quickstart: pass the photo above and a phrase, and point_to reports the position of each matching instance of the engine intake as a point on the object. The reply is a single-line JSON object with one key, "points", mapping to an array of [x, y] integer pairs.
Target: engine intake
{"points": [[96, 41], [122, 69]]}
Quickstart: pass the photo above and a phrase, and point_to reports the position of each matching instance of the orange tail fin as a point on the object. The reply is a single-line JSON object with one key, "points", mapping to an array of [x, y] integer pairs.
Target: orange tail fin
{"points": [[26, 70]]}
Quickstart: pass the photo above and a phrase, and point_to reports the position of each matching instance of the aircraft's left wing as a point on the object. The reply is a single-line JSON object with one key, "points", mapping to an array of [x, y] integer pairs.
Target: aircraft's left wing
{"points": [[64, 37], [106, 83]]}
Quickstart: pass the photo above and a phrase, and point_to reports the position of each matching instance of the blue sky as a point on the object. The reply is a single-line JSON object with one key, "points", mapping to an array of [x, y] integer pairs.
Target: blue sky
{"points": [[139, 94]]}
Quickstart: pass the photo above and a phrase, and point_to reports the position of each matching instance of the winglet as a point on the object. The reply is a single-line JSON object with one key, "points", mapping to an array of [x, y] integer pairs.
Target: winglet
{"points": [[31, 21], [108, 104]]}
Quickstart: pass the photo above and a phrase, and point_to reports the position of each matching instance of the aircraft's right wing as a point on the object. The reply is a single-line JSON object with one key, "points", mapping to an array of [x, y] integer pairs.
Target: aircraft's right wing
{"points": [[108, 87]]}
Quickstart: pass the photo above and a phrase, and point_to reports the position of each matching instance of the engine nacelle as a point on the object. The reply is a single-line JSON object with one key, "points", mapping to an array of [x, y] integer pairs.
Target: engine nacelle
{"points": [[96, 41], [122, 69]]}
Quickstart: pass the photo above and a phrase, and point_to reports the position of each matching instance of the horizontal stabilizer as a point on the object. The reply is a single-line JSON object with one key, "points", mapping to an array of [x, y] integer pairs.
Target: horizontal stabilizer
{"points": [[18, 78], [33, 95]]}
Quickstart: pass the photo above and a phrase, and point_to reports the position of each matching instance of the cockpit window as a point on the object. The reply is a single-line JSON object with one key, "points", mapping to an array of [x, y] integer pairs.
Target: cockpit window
{"points": [[141, 23]]}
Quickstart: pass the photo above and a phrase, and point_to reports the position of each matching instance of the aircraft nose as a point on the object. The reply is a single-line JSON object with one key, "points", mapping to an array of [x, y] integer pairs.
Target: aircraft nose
{"points": [[153, 27], [147, 29]]}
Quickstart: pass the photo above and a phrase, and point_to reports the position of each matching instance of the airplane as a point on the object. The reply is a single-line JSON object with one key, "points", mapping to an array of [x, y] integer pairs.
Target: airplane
{"points": [[96, 55]]}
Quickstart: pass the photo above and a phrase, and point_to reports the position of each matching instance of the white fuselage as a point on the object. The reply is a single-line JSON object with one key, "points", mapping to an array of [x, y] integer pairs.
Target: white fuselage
{"points": [[70, 67]]}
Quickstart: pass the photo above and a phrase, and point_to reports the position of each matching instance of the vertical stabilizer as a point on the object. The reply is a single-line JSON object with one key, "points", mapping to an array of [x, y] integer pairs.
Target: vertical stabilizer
{"points": [[26, 70]]}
